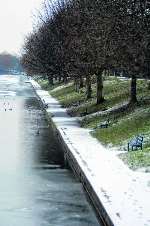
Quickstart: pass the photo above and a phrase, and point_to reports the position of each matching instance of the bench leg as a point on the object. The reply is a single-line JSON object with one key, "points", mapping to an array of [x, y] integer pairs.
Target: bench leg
{"points": [[128, 146]]}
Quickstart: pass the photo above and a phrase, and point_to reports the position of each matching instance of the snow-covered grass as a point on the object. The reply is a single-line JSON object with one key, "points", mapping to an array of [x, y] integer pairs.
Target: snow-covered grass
{"points": [[125, 127], [124, 124], [46, 86], [137, 159], [67, 95], [70, 99], [44, 83]]}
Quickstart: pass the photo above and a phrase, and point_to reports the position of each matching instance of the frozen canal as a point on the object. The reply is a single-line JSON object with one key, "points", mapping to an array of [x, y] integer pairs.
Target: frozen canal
{"points": [[33, 192]]}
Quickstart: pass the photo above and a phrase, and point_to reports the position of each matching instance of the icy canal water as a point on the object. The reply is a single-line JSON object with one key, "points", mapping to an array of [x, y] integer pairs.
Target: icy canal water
{"points": [[33, 192]]}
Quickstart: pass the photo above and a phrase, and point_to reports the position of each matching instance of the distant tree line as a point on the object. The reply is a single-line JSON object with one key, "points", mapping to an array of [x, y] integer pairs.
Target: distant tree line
{"points": [[9, 63], [79, 39]]}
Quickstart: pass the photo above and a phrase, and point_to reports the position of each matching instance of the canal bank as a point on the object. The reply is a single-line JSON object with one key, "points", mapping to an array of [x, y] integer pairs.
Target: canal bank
{"points": [[119, 195]]}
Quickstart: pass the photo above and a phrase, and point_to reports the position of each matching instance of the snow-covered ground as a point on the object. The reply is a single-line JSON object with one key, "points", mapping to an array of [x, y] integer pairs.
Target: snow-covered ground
{"points": [[125, 194]]}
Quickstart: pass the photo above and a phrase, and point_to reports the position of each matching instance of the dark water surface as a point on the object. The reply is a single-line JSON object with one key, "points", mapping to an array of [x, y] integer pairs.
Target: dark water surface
{"points": [[32, 192]]}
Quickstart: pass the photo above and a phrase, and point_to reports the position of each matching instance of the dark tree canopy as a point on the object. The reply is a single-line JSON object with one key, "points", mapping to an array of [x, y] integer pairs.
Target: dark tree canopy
{"points": [[81, 38]]}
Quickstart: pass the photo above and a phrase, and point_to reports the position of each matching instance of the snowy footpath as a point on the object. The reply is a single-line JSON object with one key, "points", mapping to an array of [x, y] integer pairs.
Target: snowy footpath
{"points": [[125, 194]]}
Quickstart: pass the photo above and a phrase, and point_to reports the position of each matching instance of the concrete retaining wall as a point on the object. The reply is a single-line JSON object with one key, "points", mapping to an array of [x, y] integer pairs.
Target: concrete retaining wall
{"points": [[71, 162]]}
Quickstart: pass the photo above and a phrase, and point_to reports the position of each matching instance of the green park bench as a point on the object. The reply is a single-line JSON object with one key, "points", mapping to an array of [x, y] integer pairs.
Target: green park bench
{"points": [[104, 124], [135, 143]]}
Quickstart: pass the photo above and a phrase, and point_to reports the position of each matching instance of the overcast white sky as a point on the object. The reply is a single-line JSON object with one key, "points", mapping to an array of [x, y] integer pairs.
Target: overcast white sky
{"points": [[15, 21]]}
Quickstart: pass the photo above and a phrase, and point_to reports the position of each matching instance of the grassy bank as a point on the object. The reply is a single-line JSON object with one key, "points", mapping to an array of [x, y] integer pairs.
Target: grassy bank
{"points": [[125, 123]]}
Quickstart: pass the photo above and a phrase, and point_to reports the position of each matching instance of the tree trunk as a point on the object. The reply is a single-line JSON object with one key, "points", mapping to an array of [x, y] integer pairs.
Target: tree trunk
{"points": [[133, 98], [148, 85], [100, 97], [50, 80], [88, 87], [59, 76], [81, 85], [65, 79], [76, 85]]}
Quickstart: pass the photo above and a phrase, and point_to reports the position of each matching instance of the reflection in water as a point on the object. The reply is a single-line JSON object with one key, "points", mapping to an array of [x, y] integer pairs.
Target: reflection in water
{"points": [[38, 134], [31, 194]]}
